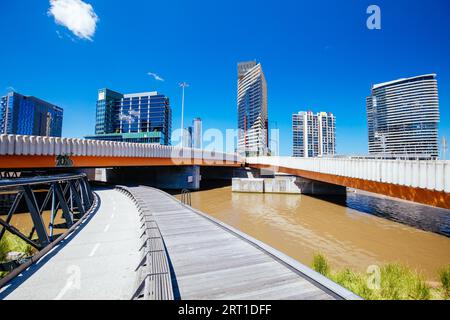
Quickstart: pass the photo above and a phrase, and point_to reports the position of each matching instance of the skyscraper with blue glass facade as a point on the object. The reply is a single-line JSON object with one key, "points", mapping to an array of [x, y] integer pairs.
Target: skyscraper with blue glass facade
{"points": [[28, 115], [139, 117]]}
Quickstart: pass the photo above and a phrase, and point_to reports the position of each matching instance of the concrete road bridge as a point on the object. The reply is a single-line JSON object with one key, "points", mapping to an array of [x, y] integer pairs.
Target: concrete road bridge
{"points": [[32, 152], [426, 182]]}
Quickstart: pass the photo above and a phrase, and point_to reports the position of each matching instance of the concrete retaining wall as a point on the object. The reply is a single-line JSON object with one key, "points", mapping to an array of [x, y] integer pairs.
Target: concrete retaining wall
{"points": [[248, 185], [281, 185]]}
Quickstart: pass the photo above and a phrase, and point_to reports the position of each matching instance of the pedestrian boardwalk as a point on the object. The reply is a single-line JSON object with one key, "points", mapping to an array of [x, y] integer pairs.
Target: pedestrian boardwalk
{"points": [[211, 260]]}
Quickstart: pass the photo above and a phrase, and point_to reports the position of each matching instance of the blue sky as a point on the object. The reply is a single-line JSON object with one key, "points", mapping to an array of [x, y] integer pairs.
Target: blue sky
{"points": [[316, 56]]}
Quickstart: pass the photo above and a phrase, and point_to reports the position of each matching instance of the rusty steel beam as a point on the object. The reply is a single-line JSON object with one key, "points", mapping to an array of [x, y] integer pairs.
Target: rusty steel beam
{"points": [[424, 196]]}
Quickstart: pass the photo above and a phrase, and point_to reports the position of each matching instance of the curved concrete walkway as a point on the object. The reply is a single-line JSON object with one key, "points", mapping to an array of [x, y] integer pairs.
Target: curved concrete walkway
{"points": [[97, 262]]}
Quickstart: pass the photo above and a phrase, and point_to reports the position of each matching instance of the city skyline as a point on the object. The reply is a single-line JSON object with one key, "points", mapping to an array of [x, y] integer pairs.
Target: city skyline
{"points": [[236, 150], [313, 74]]}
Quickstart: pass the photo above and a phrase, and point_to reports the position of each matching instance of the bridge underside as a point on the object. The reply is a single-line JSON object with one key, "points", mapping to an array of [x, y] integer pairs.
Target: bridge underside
{"points": [[48, 162], [419, 195], [191, 177], [175, 177]]}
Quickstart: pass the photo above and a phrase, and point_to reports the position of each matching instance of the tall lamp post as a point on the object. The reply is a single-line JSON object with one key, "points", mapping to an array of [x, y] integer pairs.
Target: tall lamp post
{"points": [[183, 86], [275, 152], [382, 138], [444, 147]]}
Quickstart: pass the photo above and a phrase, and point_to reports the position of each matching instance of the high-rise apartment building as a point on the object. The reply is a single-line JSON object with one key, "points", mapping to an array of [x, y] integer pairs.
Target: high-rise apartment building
{"points": [[196, 133], [403, 118], [193, 135], [314, 135], [252, 110], [139, 117], [29, 115], [187, 138]]}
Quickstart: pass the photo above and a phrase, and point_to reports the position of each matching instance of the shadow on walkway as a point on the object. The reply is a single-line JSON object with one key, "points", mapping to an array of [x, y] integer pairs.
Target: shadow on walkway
{"points": [[24, 276]]}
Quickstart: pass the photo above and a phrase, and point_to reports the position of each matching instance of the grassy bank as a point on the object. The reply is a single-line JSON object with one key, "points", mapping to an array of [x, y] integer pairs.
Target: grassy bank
{"points": [[11, 243], [389, 282]]}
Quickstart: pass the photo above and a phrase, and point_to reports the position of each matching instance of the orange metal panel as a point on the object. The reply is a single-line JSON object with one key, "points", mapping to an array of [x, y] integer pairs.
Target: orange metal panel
{"points": [[429, 197], [40, 162], [27, 162]]}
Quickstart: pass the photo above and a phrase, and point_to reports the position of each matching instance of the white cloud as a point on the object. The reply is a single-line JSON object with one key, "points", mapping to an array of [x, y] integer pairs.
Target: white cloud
{"points": [[76, 15], [155, 76]]}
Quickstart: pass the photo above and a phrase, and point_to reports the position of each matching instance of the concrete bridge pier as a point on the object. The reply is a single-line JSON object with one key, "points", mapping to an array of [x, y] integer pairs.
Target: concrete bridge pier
{"points": [[181, 177], [286, 184]]}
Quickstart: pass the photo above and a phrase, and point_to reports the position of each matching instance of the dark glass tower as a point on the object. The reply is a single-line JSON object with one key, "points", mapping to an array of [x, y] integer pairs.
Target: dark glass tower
{"points": [[28, 115]]}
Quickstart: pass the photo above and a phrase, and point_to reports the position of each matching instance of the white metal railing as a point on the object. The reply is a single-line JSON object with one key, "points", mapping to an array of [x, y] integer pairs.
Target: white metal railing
{"points": [[51, 146], [426, 174]]}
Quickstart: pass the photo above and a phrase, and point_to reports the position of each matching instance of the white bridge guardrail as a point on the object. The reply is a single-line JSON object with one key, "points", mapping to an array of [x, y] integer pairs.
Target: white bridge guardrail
{"points": [[425, 174], [51, 146]]}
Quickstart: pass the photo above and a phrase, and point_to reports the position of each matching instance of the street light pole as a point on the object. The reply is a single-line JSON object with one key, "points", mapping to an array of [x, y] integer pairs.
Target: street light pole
{"points": [[382, 138], [444, 147], [183, 86]]}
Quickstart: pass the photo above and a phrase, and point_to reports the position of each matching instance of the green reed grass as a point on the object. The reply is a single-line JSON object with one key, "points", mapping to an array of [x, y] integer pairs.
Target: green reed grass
{"points": [[396, 281]]}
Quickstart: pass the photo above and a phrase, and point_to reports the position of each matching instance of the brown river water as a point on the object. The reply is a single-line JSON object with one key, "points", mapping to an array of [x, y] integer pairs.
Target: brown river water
{"points": [[356, 232]]}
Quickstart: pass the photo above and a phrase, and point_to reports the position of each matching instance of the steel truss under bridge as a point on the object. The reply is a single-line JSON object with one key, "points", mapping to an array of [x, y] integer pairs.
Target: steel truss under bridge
{"points": [[68, 194]]}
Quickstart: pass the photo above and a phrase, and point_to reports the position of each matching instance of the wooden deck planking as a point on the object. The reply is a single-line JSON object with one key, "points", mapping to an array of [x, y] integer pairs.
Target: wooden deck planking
{"points": [[282, 289], [210, 261]]}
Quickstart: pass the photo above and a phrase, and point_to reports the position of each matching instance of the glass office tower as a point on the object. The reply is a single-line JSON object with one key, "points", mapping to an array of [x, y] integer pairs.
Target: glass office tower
{"points": [[29, 115], [139, 117], [403, 118]]}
